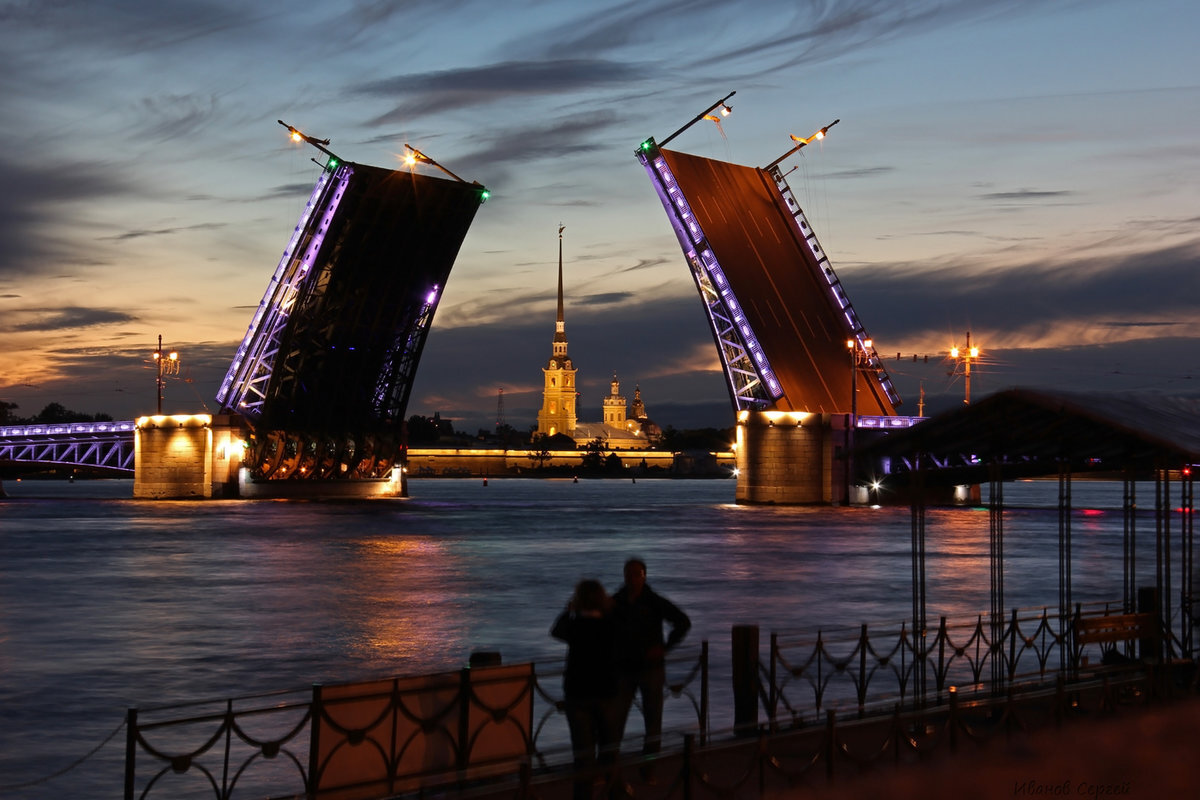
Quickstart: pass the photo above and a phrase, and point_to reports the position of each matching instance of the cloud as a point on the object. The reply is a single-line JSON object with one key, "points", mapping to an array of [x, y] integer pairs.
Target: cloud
{"points": [[1085, 298], [822, 32], [140, 234], [647, 263], [604, 299], [1025, 194], [863, 172], [421, 94], [119, 380], [127, 26], [800, 33], [174, 115], [548, 138], [46, 320], [37, 196]]}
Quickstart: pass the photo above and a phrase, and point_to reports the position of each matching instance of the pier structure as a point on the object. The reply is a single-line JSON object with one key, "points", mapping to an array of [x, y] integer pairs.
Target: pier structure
{"points": [[187, 456], [802, 373], [1024, 434]]}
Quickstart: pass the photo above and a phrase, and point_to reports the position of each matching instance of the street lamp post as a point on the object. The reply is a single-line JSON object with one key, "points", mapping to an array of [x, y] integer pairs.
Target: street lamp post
{"points": [[165, 364], [859, 351], [966, 354]]}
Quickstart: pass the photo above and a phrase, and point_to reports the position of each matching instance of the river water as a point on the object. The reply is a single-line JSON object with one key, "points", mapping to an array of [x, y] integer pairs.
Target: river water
{"points": [[108, 603]]}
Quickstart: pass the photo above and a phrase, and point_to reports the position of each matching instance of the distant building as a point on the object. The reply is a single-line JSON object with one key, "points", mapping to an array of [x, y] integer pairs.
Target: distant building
{"points": [[619, 430], [557, 414], [560, 391]]}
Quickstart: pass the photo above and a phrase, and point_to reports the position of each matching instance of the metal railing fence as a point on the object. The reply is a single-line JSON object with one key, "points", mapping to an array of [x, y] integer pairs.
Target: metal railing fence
{"points": [[864, 670], [375, 738]]}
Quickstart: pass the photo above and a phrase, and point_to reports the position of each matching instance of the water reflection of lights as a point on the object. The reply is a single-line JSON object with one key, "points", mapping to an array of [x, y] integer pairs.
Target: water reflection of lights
{"points": [[402, 609]]}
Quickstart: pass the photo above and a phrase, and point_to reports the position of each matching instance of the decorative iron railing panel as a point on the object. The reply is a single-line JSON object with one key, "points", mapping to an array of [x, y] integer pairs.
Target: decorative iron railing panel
{"points": [[373, 739], [864, 670]]}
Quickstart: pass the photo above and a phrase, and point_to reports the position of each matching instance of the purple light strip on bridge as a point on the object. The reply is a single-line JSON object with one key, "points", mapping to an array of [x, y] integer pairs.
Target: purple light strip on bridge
{"points": [[67, 428], [692, 238], [276, 279], [281, 293]]}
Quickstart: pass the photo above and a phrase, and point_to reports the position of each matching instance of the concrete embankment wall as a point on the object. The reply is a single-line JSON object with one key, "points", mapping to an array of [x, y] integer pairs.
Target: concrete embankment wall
{"points": [[466, 462]]}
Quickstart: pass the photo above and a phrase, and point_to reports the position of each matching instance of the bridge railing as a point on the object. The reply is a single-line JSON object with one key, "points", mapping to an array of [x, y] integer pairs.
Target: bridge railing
{"points": [[861, 670], [375, 738], [66, 428], [104, 445]]}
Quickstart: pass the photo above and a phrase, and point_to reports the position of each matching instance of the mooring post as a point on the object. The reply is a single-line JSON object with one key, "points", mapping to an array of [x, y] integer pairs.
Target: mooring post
{"points": [[131, 725], [316, 712], [745, 679]]}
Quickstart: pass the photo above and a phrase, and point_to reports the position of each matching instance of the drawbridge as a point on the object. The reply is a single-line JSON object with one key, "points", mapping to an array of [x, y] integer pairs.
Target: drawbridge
{"points": [[323, 375], [786, 333], [325, 370]]}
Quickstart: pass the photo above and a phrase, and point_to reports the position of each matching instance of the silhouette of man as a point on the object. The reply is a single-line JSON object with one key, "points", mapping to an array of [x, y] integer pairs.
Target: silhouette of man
{"points": [[590, 684], [640, 613]]}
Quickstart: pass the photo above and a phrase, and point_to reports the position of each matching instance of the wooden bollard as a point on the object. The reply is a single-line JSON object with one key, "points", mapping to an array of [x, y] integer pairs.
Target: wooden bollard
{"points": [[745, 679]]}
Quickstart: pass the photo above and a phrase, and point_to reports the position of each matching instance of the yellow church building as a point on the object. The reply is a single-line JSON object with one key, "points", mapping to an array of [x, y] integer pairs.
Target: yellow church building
{"points": [[558, 414]]}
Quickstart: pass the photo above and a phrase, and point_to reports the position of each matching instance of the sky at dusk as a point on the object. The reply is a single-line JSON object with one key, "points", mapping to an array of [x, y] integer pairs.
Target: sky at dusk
{"points": [[1026, 170]]}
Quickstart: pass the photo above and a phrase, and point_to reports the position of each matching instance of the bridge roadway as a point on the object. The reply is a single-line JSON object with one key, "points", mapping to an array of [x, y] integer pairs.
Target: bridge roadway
{"points": [[785, 289]]}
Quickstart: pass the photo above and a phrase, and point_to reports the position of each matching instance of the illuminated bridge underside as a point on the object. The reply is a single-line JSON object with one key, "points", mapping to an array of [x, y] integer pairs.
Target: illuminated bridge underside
{"points": [[106, 446], [779, 316], [326, 368]]}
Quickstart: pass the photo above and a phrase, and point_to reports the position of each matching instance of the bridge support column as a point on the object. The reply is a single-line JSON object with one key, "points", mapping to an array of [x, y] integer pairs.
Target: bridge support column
{"points": [[187, 456], [785, 457]]}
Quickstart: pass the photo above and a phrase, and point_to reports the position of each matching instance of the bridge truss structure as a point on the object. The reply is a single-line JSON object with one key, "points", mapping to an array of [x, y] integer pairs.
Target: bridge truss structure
{"points": [[325, 370], [91, 445]]}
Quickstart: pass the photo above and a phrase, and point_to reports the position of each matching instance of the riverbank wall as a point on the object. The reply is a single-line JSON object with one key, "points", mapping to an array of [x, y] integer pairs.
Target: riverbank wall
{"points": [[526, 463]]}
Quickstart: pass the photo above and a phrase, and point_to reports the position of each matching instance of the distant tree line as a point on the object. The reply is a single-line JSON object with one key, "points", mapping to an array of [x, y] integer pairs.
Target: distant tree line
{"points": [[430, 431], [53, 413]]}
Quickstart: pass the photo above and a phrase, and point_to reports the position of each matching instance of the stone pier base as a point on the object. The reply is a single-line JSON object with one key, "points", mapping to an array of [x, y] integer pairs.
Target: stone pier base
{"points": [[187, 456], [198, 456], [396, 486], [787, 458]]}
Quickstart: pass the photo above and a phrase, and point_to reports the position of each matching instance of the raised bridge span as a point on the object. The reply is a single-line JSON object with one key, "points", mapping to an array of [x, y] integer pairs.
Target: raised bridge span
{"points": [[322, 378]]}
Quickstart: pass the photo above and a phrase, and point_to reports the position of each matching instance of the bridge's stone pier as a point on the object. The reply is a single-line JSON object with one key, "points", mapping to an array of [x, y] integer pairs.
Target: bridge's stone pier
{"points": [[199, 456], [187, 456], [787, 457], [798, 458]]}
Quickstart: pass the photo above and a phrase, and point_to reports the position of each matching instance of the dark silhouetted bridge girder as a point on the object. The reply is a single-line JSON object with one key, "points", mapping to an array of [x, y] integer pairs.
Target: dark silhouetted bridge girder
{"points": [[326, 369], [783, 297]]}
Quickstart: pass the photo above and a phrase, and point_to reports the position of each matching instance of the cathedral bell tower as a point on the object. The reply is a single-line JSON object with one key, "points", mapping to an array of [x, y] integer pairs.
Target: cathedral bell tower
{"points": [[614, 405], [557, 414]]}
